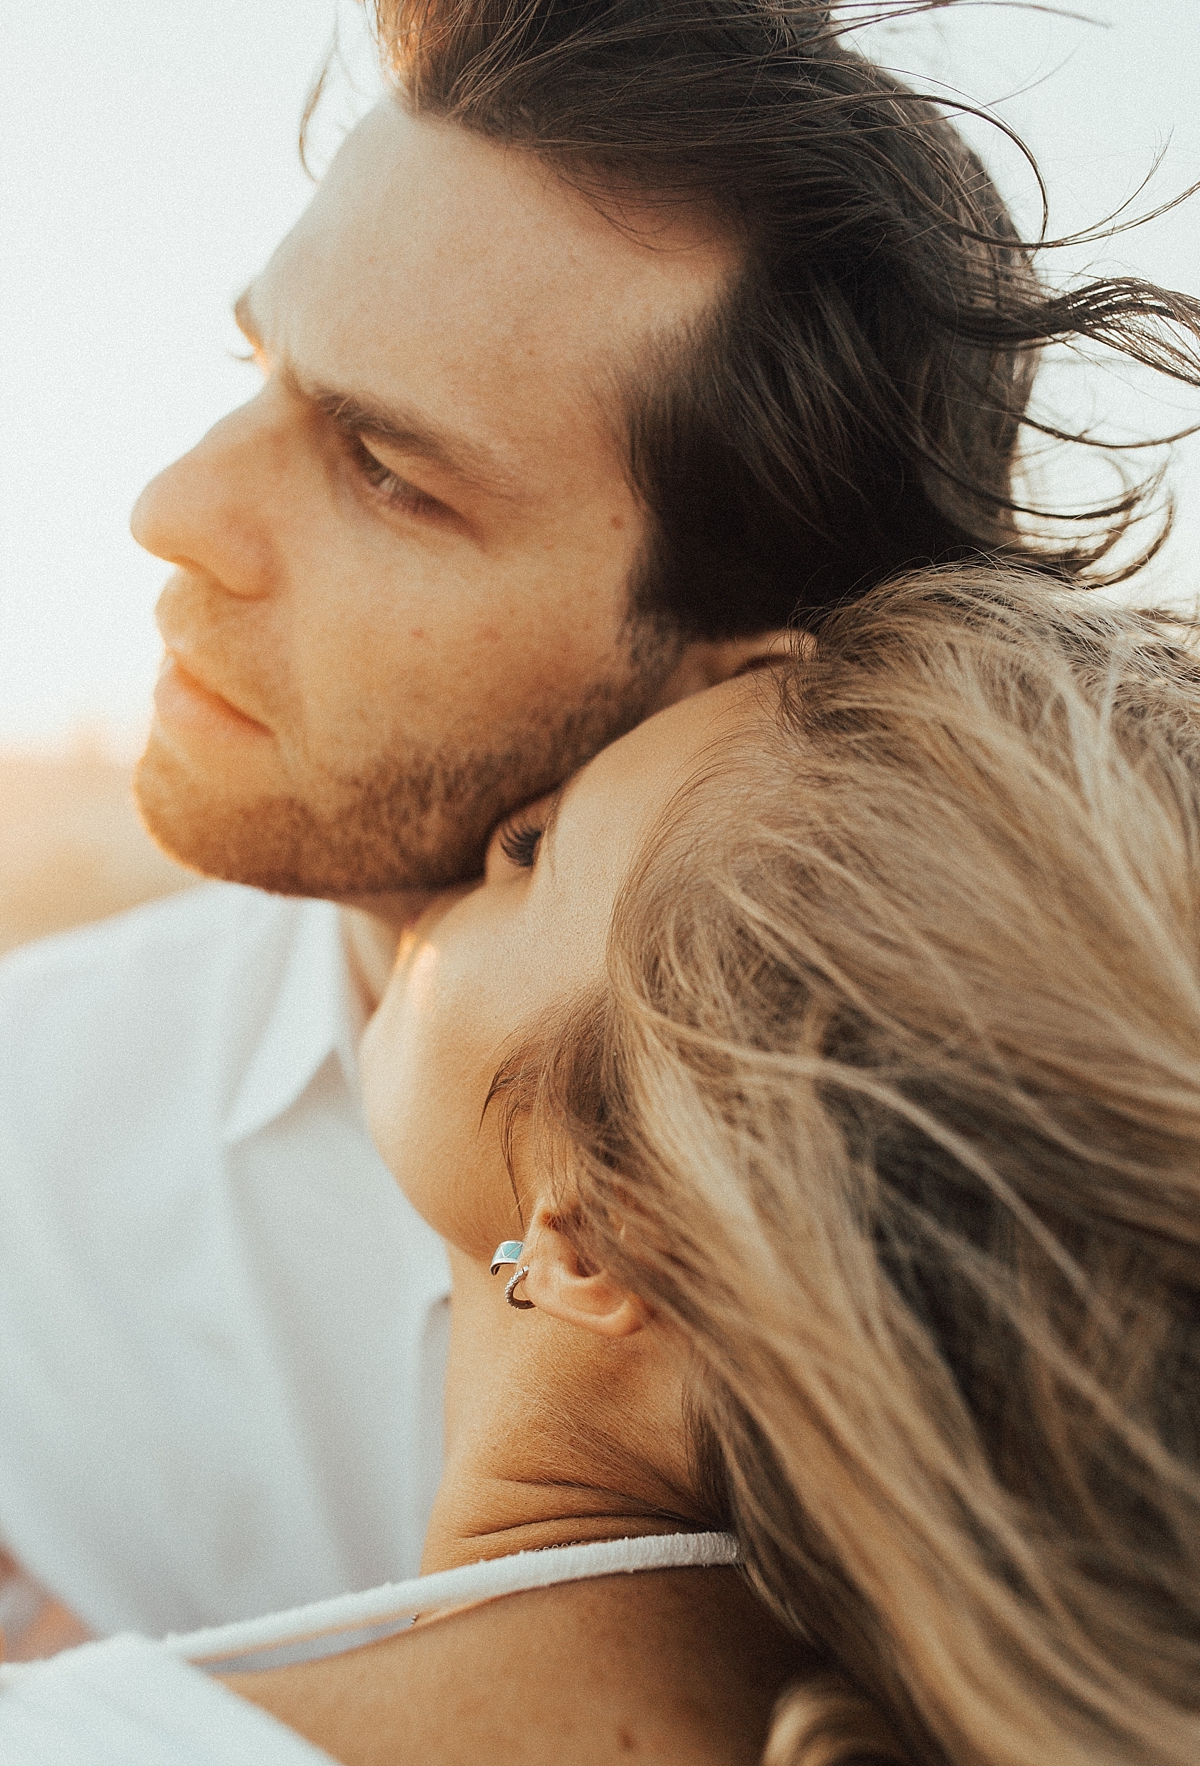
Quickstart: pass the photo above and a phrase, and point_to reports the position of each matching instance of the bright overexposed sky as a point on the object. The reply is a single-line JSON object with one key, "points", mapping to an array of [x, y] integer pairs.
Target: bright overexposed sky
{"points": [[149, 165]]}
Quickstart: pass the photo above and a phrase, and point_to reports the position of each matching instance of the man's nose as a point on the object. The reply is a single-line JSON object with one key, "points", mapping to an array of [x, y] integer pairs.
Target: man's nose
{"points": [[210, 512]]}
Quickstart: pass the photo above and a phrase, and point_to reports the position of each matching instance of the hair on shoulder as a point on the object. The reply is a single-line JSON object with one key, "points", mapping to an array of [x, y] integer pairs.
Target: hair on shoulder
{"points": [[892, 1107]]}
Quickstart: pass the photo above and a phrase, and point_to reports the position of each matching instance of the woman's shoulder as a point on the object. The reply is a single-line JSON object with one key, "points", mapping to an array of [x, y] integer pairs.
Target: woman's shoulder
{"points": [[127, 1699]]}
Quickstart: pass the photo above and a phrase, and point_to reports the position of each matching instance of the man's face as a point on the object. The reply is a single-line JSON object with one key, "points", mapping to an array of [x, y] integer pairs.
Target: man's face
{"points": [[401, 596]]}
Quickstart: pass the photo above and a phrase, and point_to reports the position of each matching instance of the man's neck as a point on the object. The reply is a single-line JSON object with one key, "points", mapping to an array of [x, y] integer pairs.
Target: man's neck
{"points": [[371, 944], [374, 926]]}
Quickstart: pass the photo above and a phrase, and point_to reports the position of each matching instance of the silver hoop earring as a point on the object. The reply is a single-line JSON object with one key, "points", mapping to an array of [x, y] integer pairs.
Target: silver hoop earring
{"points": [[507, 1251], [510, 1290]]}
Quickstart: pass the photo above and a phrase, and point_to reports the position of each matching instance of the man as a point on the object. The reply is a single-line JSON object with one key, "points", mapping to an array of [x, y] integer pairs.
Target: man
{"points": [[627, 332]]}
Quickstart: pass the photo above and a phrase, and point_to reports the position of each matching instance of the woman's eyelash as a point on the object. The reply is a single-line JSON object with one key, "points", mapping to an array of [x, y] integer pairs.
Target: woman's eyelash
{"points": [[519, 843]]}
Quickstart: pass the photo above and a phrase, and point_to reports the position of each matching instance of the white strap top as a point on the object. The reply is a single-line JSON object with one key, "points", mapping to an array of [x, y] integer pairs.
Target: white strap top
{"points": [[330, 1627], [129, 1701]]}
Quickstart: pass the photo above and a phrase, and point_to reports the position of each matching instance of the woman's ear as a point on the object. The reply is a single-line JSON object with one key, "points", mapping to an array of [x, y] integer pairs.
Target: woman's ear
{"points": [[560, 1286]]}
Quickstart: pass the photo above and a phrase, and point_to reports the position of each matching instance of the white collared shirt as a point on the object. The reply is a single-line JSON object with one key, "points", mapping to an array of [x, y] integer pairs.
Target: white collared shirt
{"points": [[222, 1327]]}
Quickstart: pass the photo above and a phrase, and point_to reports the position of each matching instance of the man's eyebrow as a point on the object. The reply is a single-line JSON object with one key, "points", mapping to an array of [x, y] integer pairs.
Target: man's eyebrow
{"points": [[357, 414], [409, 433]]}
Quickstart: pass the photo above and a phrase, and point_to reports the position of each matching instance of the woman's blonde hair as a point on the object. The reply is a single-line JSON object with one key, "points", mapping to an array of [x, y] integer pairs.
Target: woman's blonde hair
{"points": [[893, 1108]]}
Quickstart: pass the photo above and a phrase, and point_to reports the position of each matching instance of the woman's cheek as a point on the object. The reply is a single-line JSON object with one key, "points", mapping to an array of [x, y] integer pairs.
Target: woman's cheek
{"points": [[442, 1147], [447, 1020]]}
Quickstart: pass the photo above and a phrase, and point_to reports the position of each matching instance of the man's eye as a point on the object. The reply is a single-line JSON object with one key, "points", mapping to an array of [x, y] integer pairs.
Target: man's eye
{"points": [[519, 843], [392, 489]]}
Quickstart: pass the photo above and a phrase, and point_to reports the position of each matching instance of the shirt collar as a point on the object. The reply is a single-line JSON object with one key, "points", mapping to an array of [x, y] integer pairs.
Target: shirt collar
{"points": [[315, 1013]]}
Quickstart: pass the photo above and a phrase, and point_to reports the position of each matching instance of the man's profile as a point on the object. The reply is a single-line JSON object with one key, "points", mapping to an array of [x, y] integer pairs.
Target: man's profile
{"points": [[618, 338], [406, 563]]}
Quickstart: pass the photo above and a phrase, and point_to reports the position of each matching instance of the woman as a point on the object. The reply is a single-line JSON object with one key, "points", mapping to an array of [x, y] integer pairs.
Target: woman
{"points": [[823, 1060]]}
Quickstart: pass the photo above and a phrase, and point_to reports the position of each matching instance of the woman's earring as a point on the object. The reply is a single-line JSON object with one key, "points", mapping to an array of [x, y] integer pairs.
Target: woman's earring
{"points": [[510, 1290], [509, 1252]]}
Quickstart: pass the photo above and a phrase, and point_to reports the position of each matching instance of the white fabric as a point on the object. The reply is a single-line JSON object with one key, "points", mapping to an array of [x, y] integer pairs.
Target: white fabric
{"points": [[309, 1632], [125, 1702], [130, 1702], [222, 1328]]}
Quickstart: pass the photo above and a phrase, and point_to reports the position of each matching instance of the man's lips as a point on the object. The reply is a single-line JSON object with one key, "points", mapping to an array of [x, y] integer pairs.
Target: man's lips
{"points": [[179, 698]]}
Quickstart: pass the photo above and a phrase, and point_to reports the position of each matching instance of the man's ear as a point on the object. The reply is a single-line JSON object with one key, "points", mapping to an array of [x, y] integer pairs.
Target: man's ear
{"points": [[706, 662], [560, 1286]]}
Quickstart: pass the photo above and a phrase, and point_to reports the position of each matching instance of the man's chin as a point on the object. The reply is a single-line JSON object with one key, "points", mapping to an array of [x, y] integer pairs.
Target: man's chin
{"points": [[401, 820], [279, 843], [238, 842]]}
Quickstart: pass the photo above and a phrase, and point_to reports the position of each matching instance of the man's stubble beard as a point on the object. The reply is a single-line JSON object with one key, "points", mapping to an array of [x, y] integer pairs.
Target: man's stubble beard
{"points": [[417, 821]]}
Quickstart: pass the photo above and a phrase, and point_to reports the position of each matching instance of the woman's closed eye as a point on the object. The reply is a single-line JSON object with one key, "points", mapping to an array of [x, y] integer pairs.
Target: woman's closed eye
{"points": [[519, 842], [525, 835]]}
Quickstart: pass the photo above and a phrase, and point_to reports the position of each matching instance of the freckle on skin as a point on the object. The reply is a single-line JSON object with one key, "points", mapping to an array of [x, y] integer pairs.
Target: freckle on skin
{"points": [[418, 631], [617, 520], [625, 1741]]}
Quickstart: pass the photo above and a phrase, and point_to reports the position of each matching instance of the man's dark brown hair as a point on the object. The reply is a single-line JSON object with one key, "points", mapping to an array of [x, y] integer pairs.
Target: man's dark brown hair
{"points": [[854, 405]]}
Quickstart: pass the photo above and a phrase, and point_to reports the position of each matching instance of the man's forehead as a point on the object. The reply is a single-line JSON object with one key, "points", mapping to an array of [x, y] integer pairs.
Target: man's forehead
{"points": [[437, 268]]}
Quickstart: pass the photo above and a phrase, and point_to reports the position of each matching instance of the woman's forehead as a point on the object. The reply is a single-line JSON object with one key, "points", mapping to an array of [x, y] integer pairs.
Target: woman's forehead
{"points": [[662, 752]]}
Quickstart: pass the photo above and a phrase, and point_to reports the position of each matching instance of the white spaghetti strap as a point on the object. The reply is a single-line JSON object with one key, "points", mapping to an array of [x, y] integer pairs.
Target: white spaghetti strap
{"points": [[327, 1627]]}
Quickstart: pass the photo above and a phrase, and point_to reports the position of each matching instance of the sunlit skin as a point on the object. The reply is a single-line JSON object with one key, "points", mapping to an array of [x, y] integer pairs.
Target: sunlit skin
{"points": [[566, 1422], [400, 603], [475, 970], [475, 975], [401, 596]]}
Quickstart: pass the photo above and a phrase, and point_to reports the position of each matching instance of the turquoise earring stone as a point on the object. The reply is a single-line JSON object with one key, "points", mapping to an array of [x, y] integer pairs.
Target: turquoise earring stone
{"points": [[508, 1252]]}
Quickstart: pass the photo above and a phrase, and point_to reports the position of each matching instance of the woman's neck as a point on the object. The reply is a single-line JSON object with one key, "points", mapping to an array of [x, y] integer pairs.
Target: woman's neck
{"points": [[552, 1437], [671, 1667]]}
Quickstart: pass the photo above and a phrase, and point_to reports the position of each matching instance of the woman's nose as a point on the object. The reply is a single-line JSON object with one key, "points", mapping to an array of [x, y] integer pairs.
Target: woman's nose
{"points": [[211, 511]]}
